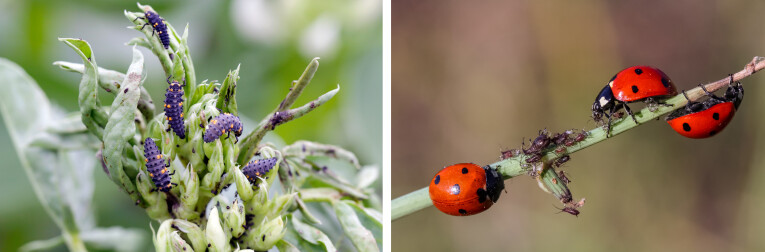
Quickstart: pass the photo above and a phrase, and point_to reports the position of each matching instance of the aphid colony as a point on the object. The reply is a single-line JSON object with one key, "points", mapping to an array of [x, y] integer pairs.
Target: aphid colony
{"points": [[466, 189]]}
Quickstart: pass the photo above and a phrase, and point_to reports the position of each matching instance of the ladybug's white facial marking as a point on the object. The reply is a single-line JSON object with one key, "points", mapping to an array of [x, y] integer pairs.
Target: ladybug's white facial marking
{"points": [[603, 101], [611, 84]]}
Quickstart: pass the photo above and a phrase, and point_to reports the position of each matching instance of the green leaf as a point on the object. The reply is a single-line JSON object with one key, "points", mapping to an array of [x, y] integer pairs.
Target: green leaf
{"points": [[42, 245], [121, 126], [61, 179], [311, 234], [93, 116], [370, 219], [227, 96], [115, 238], [285, 246], [110, 81], [362, 238]]}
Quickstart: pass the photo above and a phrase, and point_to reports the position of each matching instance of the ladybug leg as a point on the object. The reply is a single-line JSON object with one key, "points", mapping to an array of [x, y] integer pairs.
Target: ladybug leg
{"points": [[711, 95], [168, 78], [629, 111], [609, 116]]}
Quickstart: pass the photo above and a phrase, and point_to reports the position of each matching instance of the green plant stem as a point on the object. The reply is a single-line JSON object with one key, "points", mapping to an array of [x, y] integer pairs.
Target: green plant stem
{"points": [[512, 167], [283, 114]]}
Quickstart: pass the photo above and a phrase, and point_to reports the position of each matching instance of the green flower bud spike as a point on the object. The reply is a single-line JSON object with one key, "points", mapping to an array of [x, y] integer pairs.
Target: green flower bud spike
{"points": [[265, 235], [162, 241], [216, 238], [189, 191], [155, 200], [243, 186], [193, 232], [178, 243], [233, 216]]}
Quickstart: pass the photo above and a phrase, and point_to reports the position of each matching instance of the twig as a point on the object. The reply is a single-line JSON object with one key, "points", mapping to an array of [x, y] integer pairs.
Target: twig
{"points": [[511, 167]]}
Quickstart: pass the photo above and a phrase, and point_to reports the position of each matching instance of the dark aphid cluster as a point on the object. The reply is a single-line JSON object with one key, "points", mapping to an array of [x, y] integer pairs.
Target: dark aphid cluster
{"points": [[258, 168], [558, 142], [155, 164], [158, 26], [223, 124], [174, 108]]}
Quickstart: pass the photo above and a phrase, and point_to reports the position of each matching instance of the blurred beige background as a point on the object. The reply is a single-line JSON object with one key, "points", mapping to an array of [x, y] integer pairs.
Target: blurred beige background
{"points": [[473, 77]]}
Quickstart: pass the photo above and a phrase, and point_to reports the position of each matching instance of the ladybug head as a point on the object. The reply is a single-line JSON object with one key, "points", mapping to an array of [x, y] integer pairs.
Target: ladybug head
{"points": [[604, 101], [735, 94]]}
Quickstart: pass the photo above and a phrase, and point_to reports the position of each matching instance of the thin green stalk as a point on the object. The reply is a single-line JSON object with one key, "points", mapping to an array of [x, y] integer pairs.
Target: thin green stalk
{"points": [[283, 113], [511, 167]]}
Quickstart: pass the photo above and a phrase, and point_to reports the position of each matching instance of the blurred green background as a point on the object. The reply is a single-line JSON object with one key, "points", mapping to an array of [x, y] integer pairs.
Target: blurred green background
{"points": [[274, 42], [471, 78]]}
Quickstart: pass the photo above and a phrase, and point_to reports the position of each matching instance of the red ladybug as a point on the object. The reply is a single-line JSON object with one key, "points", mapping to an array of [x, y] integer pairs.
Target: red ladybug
{"points": [[707, 118], [465, 189], [637, 83]]}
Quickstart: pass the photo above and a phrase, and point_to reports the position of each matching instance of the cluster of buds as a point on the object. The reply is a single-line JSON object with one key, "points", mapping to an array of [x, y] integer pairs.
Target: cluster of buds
{"points": [[214, 200]]}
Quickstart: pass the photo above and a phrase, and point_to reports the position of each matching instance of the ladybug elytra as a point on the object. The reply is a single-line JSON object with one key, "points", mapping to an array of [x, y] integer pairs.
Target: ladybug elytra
{"points": [[634, 84], [707, 118], [465, 189]]}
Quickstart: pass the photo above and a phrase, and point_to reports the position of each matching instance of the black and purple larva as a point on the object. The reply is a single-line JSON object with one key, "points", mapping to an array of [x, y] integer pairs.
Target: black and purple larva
{"points": [[257, 168], [155, 164], [158, 25], [222, 124], [174, 108]]}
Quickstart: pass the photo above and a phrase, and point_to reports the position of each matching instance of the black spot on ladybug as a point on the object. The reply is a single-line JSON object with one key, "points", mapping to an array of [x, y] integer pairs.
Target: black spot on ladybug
{"points": [[481, 195], [665, 82], [712, 133], [716, 116], [686, 127], [638, 71], [438, 179], [634, 89], [455, 190], [462, 211], [464, 170]]}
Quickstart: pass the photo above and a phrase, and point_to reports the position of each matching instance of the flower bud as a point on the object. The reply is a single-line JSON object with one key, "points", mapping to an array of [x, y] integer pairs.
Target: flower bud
{"points": [[189, 188], [162, 240], [215, 166], [265, 235], [216, 238], [193, 232], [178, 244], [243, 186], [155, 201], [233, 217]]}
